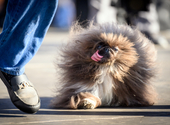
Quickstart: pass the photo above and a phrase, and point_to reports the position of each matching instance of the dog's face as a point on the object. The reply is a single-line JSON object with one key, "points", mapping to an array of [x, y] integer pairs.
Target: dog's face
{"points": [[109, 49]]}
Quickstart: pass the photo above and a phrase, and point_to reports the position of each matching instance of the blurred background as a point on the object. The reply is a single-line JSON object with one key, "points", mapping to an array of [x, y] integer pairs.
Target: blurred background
{"points": [[152, 17]]}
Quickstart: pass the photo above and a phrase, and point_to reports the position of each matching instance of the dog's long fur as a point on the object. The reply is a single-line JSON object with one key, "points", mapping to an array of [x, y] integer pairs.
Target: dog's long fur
{"points": [[123, 80]]}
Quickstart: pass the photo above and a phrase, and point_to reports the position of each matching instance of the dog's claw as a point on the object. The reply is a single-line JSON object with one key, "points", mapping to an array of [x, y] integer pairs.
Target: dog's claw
{"points": [[85, 104]]}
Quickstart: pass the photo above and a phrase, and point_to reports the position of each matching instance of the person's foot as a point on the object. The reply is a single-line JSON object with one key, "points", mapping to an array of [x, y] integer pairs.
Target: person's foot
{"points": [[22, 92]]}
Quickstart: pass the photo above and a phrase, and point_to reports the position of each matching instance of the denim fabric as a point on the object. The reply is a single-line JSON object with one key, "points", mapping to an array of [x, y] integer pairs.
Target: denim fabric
{"points": [[25, 26]]}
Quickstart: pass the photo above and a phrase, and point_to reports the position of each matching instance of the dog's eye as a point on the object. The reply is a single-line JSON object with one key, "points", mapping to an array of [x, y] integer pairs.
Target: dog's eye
{"points": [[116, 49], [100, 45]]}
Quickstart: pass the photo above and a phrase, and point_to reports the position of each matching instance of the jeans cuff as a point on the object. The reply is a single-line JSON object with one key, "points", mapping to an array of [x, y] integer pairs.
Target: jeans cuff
{"points": [[13, 72]]}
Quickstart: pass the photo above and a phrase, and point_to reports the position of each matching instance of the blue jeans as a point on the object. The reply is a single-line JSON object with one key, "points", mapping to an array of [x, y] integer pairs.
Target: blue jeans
{"points": [[25, 26]]}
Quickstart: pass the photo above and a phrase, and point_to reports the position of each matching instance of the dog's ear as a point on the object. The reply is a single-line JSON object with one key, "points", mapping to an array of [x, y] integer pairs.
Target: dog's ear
{"points": [[126, 58]]}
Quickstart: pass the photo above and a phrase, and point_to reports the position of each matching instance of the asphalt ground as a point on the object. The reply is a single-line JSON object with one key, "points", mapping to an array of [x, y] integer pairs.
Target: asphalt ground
{"points": [[41, 72]]}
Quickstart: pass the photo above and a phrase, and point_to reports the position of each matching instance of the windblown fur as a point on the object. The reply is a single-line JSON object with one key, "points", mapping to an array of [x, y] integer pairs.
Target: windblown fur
{"points": [[121, 79]]}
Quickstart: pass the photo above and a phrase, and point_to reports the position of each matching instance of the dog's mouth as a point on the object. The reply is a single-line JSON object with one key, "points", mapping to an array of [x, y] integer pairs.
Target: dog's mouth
{"points": [[104, 55], [96, 57]]}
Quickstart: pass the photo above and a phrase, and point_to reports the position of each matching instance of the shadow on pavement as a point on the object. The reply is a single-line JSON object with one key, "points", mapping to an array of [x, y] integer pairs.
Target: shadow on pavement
{"points": [[8, 110], [113, 113], [12, 116]]}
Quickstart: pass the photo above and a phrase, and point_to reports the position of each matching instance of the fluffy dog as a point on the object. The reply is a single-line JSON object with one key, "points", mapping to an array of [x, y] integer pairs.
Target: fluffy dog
{"points": [[106, 65]]}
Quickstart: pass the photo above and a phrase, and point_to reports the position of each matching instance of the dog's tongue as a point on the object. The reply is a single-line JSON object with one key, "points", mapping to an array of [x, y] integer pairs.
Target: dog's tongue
{"points": [[96, 57]]}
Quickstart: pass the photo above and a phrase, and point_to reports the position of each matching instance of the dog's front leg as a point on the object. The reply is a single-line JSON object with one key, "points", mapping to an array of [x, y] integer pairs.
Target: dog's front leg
{"points": [[84, 100], [88, 101]]}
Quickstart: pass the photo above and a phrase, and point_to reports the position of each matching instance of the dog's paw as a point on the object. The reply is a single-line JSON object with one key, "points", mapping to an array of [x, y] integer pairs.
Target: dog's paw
{"points": [[87, 104]]}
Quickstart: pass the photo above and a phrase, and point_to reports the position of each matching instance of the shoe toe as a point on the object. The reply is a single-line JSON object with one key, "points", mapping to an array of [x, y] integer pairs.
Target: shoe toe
{"points": [[27, 100], [28, 95]]}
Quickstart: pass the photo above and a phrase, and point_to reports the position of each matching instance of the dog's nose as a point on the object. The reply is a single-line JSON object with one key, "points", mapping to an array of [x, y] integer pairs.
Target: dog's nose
{"points": [[104, 51]]}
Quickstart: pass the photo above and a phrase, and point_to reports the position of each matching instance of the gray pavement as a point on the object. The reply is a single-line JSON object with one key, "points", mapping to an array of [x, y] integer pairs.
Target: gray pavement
{"points": [[41, 71]]}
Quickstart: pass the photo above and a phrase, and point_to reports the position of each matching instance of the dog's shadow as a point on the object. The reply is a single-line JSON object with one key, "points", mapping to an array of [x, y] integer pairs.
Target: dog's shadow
{"points": [[7, 108]]}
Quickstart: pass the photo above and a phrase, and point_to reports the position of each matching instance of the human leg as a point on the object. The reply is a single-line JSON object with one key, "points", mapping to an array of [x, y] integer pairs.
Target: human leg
{"points": [[25, 26]]}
